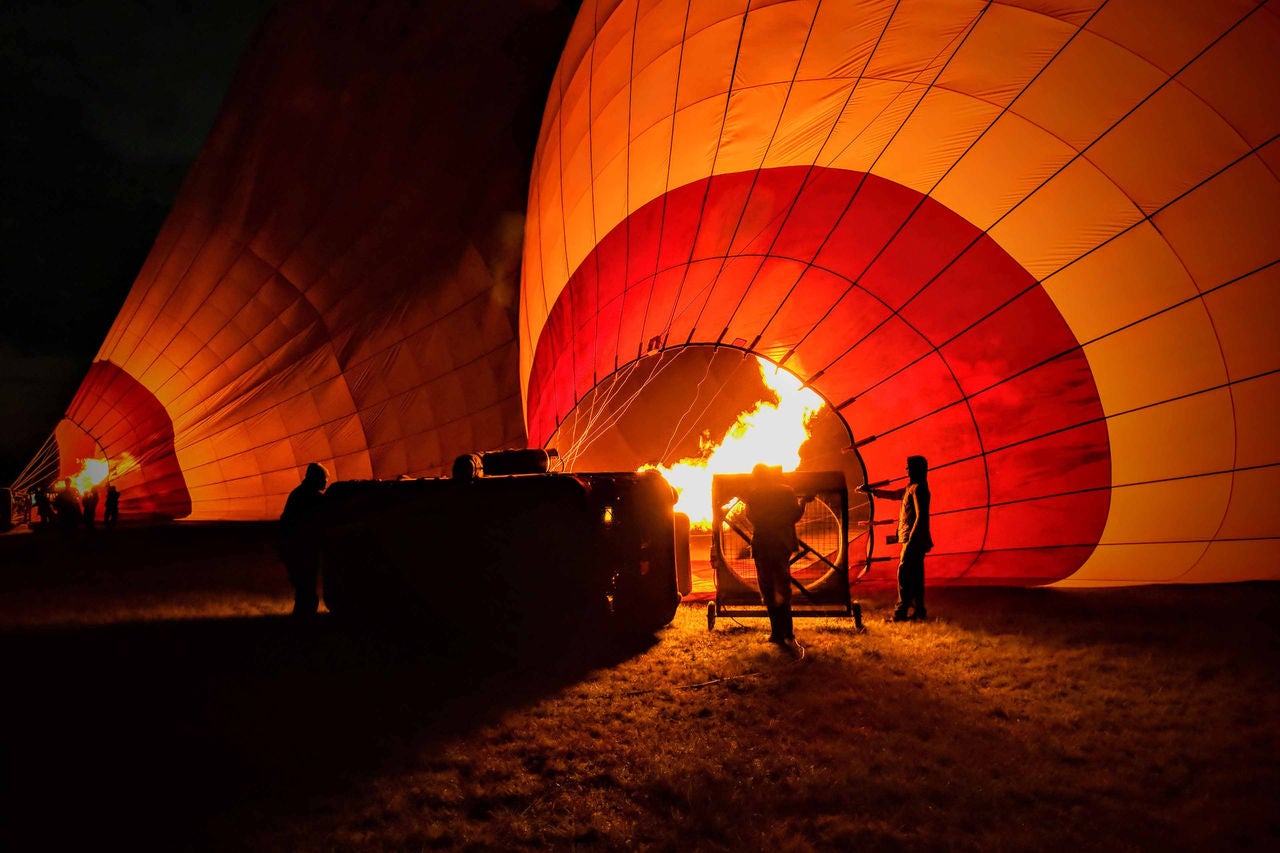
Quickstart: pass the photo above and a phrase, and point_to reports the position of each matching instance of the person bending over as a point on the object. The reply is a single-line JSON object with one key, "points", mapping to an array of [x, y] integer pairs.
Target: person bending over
{"points": [[773, 510]]}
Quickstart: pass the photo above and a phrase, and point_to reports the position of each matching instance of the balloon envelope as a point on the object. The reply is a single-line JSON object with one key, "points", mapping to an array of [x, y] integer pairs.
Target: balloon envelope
{"points": [[337, 280], [1034, 242]]}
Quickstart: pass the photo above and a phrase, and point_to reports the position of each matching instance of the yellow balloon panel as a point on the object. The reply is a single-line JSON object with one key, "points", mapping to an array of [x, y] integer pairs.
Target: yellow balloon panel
{"points": [[1252, 512], [1171, 511], [1257, 411], [1171, 354], [1246, 317], [1185, 437], [1233, 561], [1125, 280], [1140, 563]]}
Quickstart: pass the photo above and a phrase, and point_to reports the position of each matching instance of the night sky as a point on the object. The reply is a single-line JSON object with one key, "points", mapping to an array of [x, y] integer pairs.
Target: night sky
{"points": [[106, 105]]}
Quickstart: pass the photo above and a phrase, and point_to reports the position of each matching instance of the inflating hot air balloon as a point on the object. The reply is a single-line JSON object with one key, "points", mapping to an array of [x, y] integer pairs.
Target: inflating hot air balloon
{"points": [[337, 280], [1036, 242]]}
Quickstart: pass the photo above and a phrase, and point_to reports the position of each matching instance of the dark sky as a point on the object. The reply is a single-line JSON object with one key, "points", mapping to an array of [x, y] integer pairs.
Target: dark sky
{"points": [[105, 107]]}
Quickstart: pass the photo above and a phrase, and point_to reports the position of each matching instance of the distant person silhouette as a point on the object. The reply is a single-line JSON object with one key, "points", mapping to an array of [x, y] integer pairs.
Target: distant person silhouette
{"points": [[44, 507], [111, 510], [66, 505], [773, 510], [300, 538], [89, 503], [913, 536]]}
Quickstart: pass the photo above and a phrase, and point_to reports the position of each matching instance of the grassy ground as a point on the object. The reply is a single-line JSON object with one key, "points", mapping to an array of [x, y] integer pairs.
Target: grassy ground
{"points": [[159, 702]]}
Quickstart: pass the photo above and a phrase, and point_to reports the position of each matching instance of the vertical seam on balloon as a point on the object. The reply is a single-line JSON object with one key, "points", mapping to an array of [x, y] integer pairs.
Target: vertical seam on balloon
{"points": [[1078, 348], [626, 264], [1059, 171], [928, 193], [243, 246], [591, 185], [1040, 282], [671, 140], [243, 250], [715, 157], [320, 425], [547, 305], [241, 392], [118, 327], [564, 220], [1109, 487], [675, 301], [142, 333], [870, 56], [535, 194], [1106, 416], [1235, 432], [813, 167]]}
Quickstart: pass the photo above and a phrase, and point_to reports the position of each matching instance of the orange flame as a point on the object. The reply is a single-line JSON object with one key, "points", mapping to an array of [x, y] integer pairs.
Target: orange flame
{"points": [[767, 433], [94, 472]]}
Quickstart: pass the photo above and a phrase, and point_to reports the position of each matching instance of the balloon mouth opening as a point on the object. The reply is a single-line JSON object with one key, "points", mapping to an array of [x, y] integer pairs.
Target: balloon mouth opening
{"points": [[699, 410]]}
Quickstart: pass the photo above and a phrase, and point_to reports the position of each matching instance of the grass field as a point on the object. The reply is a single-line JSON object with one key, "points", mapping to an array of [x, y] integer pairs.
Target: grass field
{"points": [[164, 703]]}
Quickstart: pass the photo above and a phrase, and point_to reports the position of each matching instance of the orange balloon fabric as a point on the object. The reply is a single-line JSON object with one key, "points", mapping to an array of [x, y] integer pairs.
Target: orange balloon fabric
{"points": [[337, 280], [1034, 241]]}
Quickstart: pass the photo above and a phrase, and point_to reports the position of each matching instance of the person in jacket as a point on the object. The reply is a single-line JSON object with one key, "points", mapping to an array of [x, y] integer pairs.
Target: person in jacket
{"points": [[773, 510], [913, 537], [300, 538]]}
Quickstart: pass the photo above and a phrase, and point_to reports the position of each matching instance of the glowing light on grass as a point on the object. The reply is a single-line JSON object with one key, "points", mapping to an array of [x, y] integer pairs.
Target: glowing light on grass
{"points": [[769, 433]]}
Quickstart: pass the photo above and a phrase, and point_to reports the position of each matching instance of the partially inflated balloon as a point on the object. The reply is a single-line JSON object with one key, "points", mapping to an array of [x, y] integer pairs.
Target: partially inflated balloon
{"points": [[337, 280], [1035, 242]]}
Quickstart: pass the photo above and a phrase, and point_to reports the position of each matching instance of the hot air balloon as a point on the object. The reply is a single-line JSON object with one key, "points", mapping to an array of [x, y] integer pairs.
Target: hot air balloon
{"points": [[336, 281], [1036, 242]]}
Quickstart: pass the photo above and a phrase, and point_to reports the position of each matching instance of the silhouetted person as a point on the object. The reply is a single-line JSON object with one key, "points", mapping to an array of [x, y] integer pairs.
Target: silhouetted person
{"points": [[300, 538], [66, 504], [44, 507], [89, 503], [773, 510], [913, 536], [111, 510]]}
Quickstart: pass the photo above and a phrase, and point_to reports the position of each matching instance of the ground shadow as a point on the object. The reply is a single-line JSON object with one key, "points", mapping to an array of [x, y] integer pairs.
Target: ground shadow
{"points": [[158, 734]]}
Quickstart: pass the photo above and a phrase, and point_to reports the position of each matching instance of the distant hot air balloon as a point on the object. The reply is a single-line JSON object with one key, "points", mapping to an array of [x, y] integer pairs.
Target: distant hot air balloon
{"points": [[337, 280], [1036, 242]]}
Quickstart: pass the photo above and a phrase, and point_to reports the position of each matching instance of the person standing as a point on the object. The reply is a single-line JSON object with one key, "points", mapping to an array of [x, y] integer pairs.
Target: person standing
{"points": [[773, 510], [111, 510], [89, 503], [300, 538], [913, 537], [66, 506], [45, 507]]}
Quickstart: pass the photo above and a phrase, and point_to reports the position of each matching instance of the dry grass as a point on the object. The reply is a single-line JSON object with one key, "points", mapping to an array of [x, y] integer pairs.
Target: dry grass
{"points": [[1018, 719]]}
